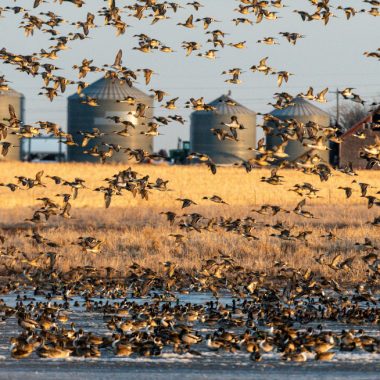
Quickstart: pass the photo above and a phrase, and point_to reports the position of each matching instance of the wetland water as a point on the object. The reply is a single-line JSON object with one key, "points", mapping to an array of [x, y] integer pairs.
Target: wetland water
{"points": [[204, 364]]}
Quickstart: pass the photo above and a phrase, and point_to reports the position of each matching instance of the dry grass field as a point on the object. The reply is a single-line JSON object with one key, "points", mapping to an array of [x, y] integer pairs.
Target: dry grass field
{"points": [[233, 184], [133, 230]]}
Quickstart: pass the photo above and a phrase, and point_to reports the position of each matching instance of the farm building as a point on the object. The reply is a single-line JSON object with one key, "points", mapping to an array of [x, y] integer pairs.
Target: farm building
{"points": [[361, 134]]}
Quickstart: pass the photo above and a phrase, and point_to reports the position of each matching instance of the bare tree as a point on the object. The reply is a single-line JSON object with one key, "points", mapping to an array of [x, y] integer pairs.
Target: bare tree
{"points": [[350, 114]]}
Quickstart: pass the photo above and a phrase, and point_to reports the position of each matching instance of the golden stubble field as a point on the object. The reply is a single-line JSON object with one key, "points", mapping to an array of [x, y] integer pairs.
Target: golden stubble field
{"points": [[134, 231]]}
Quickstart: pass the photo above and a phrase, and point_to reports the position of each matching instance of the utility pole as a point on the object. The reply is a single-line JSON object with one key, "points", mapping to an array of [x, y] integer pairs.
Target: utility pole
{"points": [[337, 116], [337, 107], [335, 158], [29, 149], [60, 149]]}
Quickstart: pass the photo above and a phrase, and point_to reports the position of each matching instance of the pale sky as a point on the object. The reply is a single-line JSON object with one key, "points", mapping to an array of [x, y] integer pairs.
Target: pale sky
{"points": [[330, 56]]}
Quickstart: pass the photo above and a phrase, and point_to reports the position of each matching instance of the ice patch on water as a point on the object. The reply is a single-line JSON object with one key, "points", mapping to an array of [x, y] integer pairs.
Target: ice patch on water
{"points": [[165, 358], [355, 356]]}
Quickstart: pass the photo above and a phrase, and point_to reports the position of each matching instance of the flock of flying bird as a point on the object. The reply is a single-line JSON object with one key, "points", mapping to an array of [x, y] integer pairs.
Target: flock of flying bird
{"points": [[40, 65], [263, 316]]}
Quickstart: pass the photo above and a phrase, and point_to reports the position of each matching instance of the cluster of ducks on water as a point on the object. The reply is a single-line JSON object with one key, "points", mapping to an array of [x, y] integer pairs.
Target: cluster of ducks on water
{"points": [[146, 313]]}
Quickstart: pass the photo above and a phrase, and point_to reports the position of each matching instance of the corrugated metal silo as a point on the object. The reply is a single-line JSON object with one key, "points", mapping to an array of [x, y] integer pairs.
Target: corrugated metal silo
{"points": [[82, 117], [202, 139], [17, 100], [302, 111]]}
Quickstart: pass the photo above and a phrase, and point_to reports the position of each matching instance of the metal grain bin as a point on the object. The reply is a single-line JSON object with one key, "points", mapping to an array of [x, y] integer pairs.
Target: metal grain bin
{"points": [[17, 100], [302, 111], [83, 117], [229, 152]]}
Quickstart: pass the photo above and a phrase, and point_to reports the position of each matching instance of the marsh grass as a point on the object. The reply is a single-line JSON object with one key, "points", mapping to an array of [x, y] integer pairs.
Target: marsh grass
{"points": [[134, 231]]}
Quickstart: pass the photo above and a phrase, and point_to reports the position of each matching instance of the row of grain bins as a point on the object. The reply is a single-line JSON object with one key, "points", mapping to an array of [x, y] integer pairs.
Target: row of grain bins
{"points": [[229, 151], [108, 92]]}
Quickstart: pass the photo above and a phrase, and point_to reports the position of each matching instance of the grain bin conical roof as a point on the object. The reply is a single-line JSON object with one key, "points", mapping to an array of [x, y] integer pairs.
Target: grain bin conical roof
{"points": [[223, 108], [301, 108], [11, 93], [111, 89]]}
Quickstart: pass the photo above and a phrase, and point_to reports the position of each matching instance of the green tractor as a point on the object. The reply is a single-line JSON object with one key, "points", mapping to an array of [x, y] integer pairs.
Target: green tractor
{"points": [[178, 156]]}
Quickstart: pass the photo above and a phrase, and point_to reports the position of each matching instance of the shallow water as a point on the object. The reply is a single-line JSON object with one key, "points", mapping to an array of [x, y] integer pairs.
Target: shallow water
{"points": [[358, 364], [187, 368]]}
